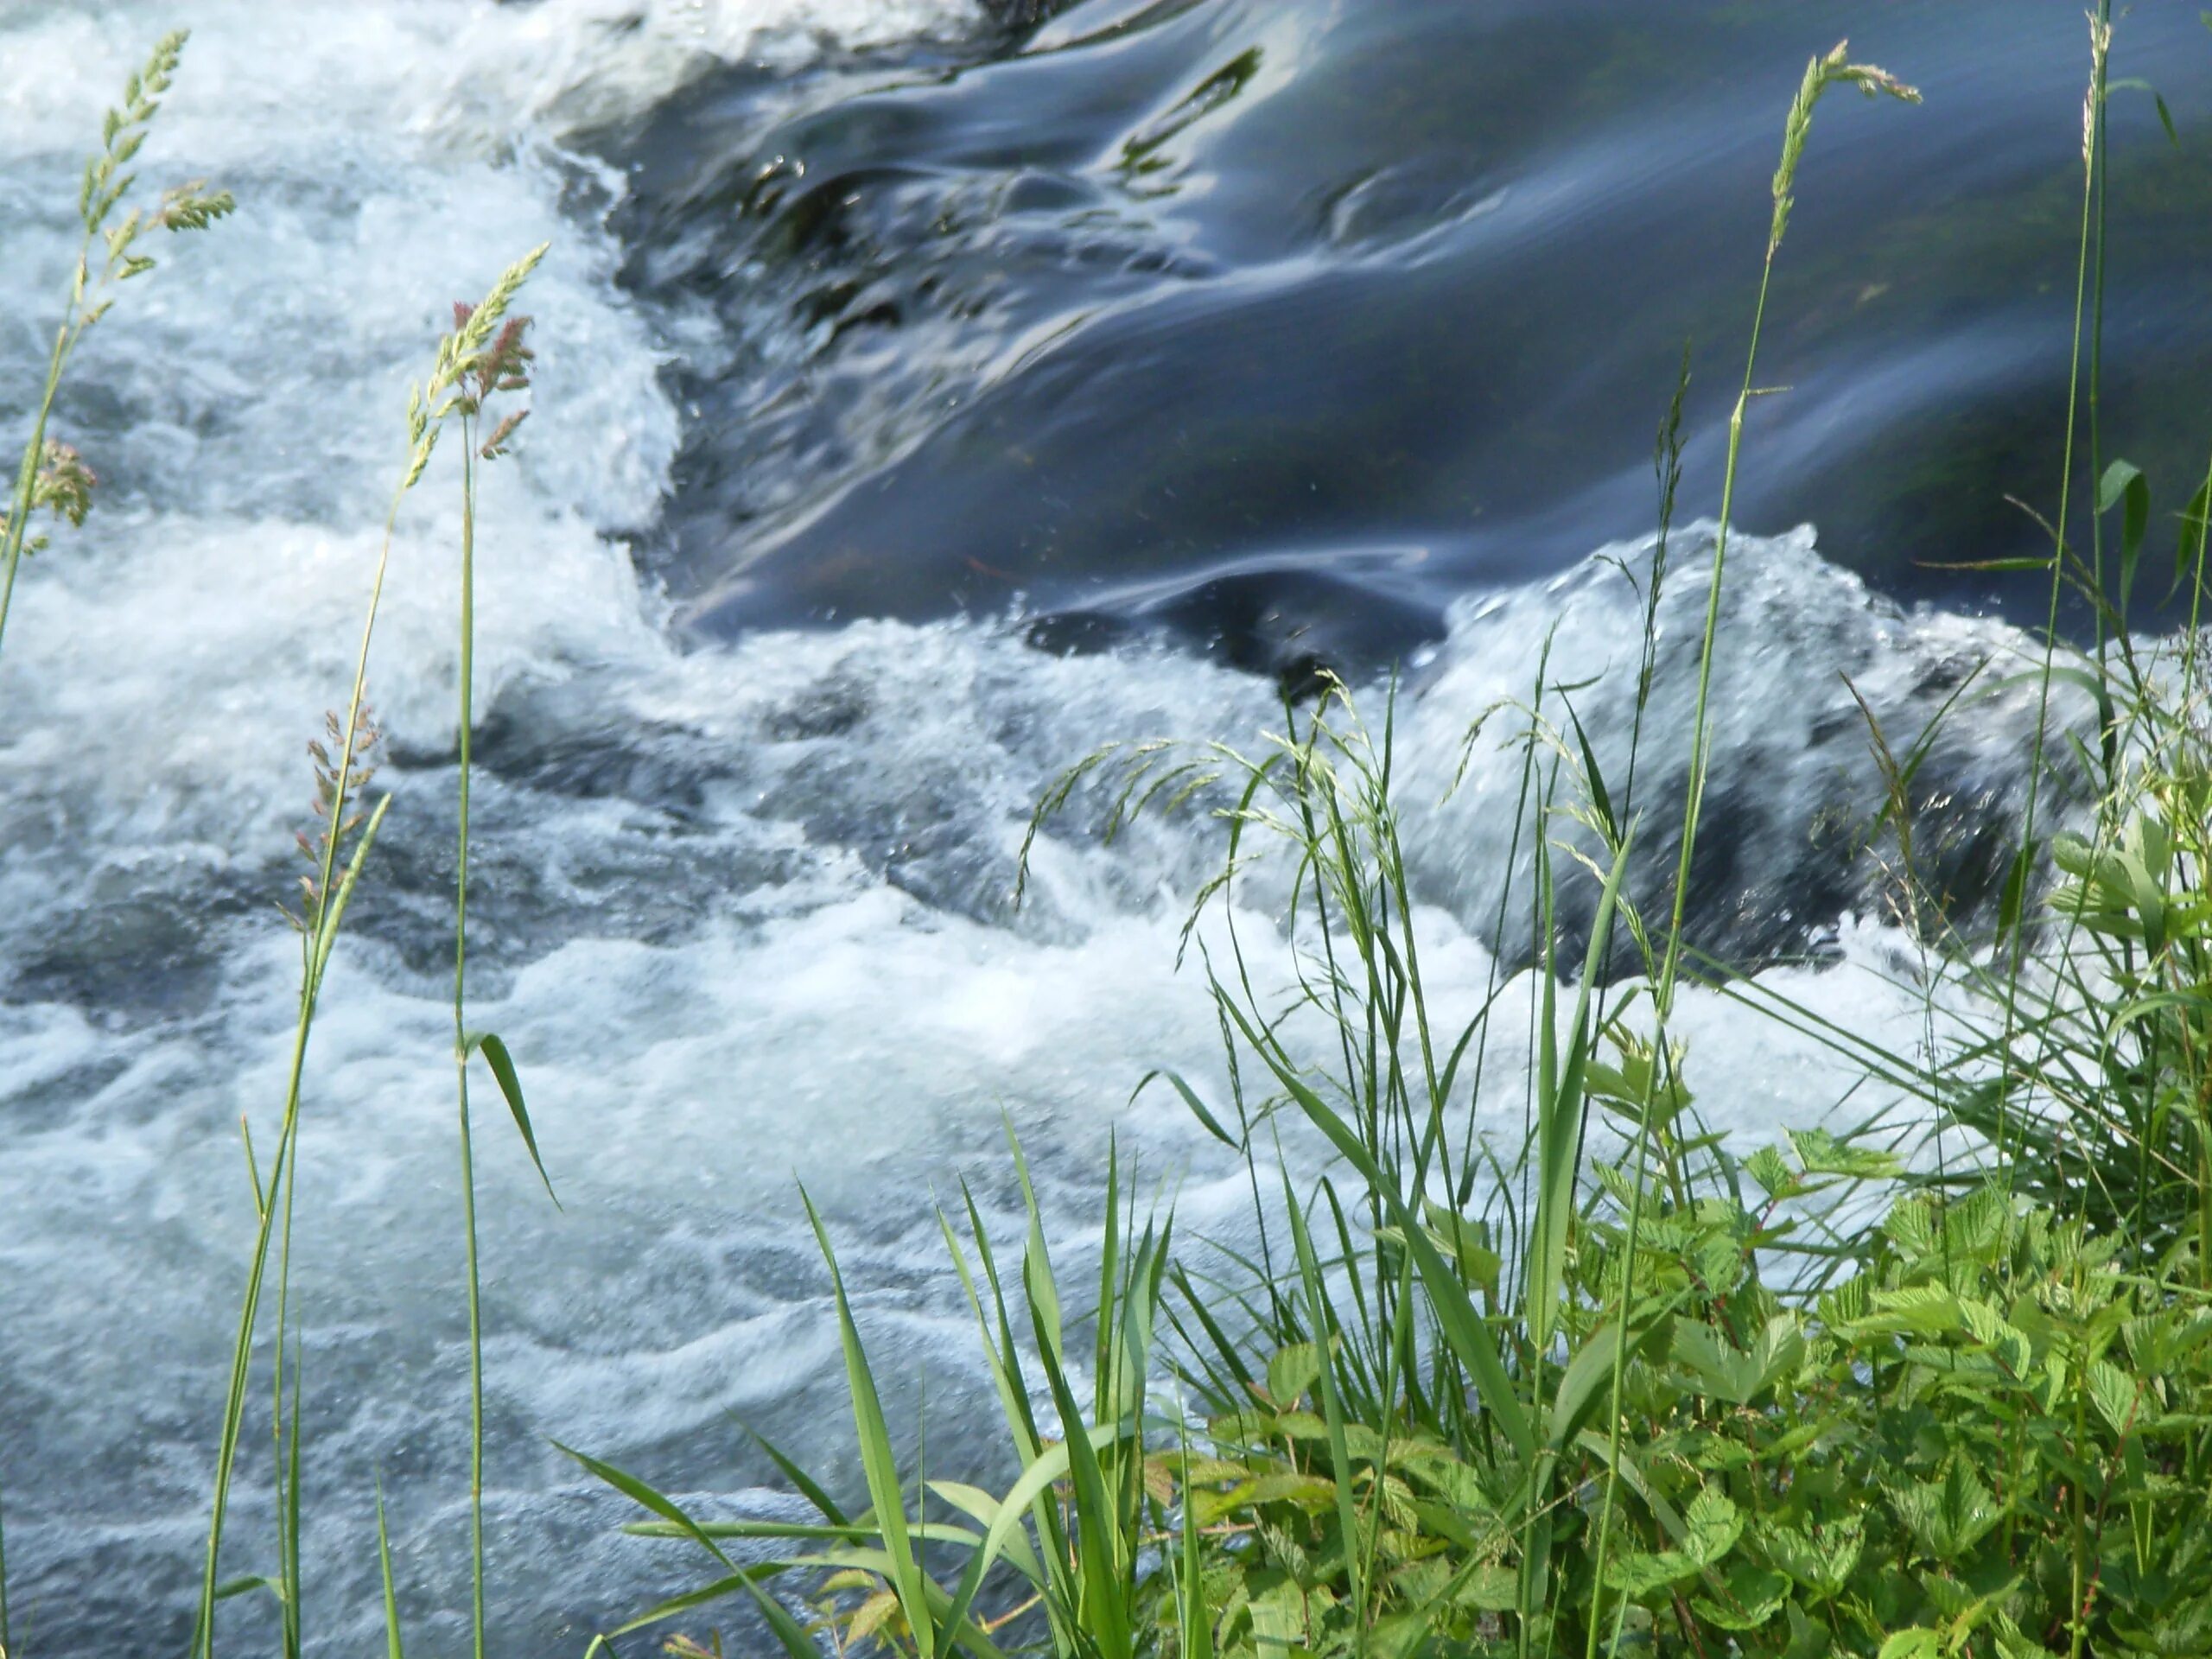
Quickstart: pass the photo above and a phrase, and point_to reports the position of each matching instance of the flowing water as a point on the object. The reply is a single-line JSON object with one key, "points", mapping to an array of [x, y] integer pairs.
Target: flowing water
{"points": [[928, 393]]}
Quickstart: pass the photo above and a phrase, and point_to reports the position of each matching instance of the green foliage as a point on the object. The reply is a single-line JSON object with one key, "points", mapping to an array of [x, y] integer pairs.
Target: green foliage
{"points": [[1646, 1391]]}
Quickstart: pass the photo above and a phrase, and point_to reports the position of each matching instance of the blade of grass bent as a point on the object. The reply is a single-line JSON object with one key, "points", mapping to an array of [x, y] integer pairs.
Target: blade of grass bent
{"points": [[879, 1462]]}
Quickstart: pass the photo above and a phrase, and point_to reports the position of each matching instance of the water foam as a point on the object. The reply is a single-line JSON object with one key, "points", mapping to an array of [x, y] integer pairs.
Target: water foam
{"points": [[745, 913]]}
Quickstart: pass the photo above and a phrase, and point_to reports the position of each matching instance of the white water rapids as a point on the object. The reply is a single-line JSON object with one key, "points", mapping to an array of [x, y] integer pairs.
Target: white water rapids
{"points": [[742, 909]]}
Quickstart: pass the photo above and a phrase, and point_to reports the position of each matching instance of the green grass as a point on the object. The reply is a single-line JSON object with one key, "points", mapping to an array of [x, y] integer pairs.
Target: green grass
{"points": [[1637, 1388], [1672, 1395]]}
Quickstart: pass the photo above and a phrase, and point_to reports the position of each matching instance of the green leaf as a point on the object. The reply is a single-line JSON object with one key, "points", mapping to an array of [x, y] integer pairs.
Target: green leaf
{"points": [[1946, 1518], [2006, 1343], [2124, 482], [1822, 1153], [2191, 540], [1591, 1369], [1479, 1265], [2137, 83], [1490, 1589], [1726, 1373], [1293, 1371], [1347, 1518], [1918, 1310], [2011, 1644], [2115, 1394], [795, 1640], [1771, 1171], [1594, 776], [1918, 1643], [391, 1643], [1713, 1523], [1823, 1560], [1641, 1575], [2014, 897], [1052, 1465], [1212, 1125], [1194, 1617], [502, 1069], [809, 1488], [643, 1495], [879, 1461], [1561, 1105], [1755, 1596]]}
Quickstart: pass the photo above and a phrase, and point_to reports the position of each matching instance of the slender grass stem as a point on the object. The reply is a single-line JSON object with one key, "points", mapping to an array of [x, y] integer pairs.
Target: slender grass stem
{"points": [[19, 510], [467, 675], [321, 921], [2022, 870], [92, 289]]}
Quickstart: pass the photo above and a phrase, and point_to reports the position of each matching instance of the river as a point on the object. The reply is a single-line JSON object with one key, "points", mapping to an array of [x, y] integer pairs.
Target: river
{"points": [[926, 394]]}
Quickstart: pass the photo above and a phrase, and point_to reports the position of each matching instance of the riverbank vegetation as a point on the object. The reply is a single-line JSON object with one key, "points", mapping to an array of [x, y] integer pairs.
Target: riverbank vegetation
{"points": [[1935, 1384], [1639, 1387]]}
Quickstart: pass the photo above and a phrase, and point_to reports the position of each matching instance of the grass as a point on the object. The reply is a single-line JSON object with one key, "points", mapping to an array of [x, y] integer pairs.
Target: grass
{"points": [[484, 359], [1634, 1388], [1639, 1390]]}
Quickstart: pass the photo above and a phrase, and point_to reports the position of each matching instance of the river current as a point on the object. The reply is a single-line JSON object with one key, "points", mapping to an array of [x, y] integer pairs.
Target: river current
{"points": [[928, 393]]}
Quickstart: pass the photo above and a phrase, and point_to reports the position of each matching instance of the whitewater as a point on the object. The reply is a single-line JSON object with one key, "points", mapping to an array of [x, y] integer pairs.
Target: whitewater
{"points": [[744, 901]]}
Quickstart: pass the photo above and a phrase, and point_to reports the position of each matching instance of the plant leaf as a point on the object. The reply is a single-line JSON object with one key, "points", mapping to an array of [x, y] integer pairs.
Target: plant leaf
{"points": [[503, 1070]]}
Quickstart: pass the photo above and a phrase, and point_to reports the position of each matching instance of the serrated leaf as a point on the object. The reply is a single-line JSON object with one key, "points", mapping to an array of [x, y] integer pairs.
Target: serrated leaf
{"points": [[1918, 1643], [1922, 1309], [1639, 1575], [1771, 1171], [2007, 1344], [1712, 1525], [1822, 1153], [2116, 1394], [1755, 1596], [1726, 1373], [1823, 1559], [1293, 1371]]}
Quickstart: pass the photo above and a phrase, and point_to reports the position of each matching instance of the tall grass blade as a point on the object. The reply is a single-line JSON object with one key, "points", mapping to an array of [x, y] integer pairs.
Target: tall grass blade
{"points": [[879, 1462], [788, 1632], [393, 1648], [1463, 1327]]}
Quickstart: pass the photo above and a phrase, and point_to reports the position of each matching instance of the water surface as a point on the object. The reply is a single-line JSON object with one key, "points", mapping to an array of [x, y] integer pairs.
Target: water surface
{"points": [[927, 393]]}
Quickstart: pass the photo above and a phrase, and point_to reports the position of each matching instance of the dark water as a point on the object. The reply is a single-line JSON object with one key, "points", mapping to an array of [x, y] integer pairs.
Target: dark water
{"points": [[1259, 317]]}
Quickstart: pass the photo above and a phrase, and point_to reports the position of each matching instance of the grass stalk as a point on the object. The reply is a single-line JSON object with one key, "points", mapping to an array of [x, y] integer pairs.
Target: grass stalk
{"points": [[468, 674], [319, 924], [51, 475], [2012, 913], [1835, 68], [487, 358], [326, 894]]}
